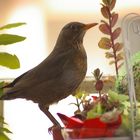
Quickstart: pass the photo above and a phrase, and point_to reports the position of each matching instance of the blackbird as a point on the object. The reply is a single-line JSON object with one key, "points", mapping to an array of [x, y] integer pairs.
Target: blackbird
{"points": [[58, 76]]}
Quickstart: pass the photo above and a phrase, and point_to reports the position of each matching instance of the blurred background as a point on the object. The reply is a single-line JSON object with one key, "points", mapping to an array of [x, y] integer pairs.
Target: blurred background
{"points": [[44, 19]]}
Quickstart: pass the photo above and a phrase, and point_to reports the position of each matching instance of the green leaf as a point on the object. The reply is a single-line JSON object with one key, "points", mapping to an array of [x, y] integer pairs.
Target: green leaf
{"points": [[12, 25], [6, 39], [80, 94], [3, 137], [95, 112], [104, 43], [136, 57], [8, 60], [123, 97], [2, 129], [115, 97], [126, 125], [109, 55]]}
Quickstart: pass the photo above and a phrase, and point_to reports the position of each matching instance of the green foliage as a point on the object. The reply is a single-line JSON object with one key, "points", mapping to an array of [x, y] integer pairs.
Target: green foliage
{"points": [[9, 60], [6, 59], [6, 39], [96, 111], [12, 25], [4, 130], [81, 95], [122, 82], [105, 43], [115, 97]]}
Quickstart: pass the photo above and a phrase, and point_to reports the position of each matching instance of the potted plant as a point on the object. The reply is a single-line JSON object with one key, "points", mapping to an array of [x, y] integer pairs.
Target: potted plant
{"points": [[106, 114]]}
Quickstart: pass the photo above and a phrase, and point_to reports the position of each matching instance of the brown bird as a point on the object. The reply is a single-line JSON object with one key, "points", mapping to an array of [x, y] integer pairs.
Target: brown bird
{"points": [[58, 76]]}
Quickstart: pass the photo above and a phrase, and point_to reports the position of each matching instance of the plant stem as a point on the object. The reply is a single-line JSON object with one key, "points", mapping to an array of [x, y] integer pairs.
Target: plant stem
{"points": [[113, 45], [100, 95], [78, 104]]}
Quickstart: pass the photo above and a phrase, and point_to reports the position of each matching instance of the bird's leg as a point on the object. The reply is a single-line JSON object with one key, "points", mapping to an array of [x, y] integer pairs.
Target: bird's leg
{"points": [[49, 115]]}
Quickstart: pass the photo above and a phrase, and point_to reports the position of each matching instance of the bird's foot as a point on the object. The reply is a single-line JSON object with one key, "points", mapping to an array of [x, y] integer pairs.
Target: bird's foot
{"points": [[54, 128], [56, 132]]}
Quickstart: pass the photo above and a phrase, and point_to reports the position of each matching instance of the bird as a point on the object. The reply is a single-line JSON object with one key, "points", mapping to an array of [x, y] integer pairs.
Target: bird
{"points": [[57, 76]]}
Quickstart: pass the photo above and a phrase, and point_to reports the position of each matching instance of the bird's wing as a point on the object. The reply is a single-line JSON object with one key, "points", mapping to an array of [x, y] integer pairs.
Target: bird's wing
{"points": [[49, 69], [15, 81]]}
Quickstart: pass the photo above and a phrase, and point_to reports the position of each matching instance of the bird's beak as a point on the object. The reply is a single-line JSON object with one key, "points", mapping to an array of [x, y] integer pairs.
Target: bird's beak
{"points": [[88, 26]]}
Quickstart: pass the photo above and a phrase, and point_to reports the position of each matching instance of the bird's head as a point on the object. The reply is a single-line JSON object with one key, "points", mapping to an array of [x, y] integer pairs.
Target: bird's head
{"points": [[75, 31]]}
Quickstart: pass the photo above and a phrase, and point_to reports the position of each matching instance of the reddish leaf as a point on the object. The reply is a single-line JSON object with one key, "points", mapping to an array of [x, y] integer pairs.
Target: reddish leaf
{"points": [[99, 85], [112, 5], [116, 33], [114, 20], [104, 28], [104, 43], [96, 73], [118, 46], [105, 12], [109, 55]]}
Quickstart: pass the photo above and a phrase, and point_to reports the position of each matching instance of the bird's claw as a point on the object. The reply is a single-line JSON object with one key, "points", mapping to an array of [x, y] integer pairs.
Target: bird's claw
{"points": [[52, 128]]}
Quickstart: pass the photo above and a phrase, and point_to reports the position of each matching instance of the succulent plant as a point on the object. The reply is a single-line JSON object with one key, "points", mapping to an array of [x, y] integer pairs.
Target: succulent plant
{"points": [[122, 84]]}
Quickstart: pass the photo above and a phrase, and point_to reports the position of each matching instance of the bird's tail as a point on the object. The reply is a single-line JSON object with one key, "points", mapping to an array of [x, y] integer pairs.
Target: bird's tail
{"points": [[7, 96], [5, 93], [4, 97]]}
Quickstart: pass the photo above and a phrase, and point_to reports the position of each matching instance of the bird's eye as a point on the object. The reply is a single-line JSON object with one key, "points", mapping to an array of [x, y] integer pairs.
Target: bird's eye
{"points": [[73, 27]]}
